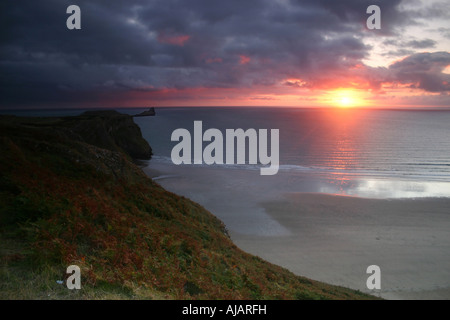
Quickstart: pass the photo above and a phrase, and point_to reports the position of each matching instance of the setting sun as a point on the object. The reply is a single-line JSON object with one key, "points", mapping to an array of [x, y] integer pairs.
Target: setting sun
{"points": [[345, 98], [345, 102]]}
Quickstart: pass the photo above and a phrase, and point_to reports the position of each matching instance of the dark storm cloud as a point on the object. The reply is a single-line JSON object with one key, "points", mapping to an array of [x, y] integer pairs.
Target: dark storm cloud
{"points": [[151, 45], [417, 44], [421, 44], [424, 71], [406, 48]]}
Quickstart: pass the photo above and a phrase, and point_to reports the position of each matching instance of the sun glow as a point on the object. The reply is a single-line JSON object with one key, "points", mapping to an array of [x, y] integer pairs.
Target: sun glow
{"points": [[345, 98], [345, 102]]}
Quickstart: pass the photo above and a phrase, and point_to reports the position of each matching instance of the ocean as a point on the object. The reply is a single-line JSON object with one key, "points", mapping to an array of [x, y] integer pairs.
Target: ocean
{"points": [[361, 152]]}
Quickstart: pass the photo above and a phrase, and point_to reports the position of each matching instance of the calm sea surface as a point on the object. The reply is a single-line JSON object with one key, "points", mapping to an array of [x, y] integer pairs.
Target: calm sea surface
{"points": [[372, 153]]}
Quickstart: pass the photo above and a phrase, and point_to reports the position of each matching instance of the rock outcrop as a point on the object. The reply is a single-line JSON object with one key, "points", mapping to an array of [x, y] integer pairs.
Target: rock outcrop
{"points": [[108, 130], [105, 140], [150, 112]]}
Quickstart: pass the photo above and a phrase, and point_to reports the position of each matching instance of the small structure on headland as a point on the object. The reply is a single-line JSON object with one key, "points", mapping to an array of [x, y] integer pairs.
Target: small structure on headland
{"points": [[149, 112]]}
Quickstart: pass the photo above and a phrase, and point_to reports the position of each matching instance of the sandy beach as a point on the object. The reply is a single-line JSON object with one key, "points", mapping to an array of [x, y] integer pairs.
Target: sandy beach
{"points": [[335, 238], [327, 237]]}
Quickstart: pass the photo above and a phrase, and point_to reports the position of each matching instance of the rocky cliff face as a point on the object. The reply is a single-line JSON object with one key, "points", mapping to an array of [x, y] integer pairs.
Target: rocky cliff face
{"points": [[105, 140], [109, 130]]}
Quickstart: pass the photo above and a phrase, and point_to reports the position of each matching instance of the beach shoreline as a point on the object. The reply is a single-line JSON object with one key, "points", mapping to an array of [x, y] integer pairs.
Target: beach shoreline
{"points": [[335, 238], [327, 237]]}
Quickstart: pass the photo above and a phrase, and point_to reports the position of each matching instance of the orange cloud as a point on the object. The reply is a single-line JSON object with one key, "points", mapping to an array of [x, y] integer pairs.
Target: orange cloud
{"points": [[244, 59], [176, 40], [277, 95]]}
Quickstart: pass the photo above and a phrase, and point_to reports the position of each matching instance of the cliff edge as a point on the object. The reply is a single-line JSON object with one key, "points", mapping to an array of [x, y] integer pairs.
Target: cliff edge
{"points": [[110, 130]]}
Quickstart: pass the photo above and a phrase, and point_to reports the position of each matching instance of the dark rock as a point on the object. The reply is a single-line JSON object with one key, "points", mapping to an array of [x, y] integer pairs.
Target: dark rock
{"points": [[149, 112], [110, 130]]}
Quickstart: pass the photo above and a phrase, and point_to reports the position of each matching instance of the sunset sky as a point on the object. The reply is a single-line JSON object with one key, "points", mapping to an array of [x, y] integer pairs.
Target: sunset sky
{"points": [[224, 53]]}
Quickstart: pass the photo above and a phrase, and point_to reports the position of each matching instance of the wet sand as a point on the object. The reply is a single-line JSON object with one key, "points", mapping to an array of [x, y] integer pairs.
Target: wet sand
{"points": [[335, 238], [327, 237]]}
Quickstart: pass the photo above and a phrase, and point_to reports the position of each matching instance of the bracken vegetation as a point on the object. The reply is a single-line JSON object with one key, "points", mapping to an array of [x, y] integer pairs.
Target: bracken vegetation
{"points": [[65, 201]]}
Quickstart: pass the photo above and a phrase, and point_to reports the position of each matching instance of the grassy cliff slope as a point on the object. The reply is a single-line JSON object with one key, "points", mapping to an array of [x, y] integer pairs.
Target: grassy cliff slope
{"points": [[70, 194]]}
